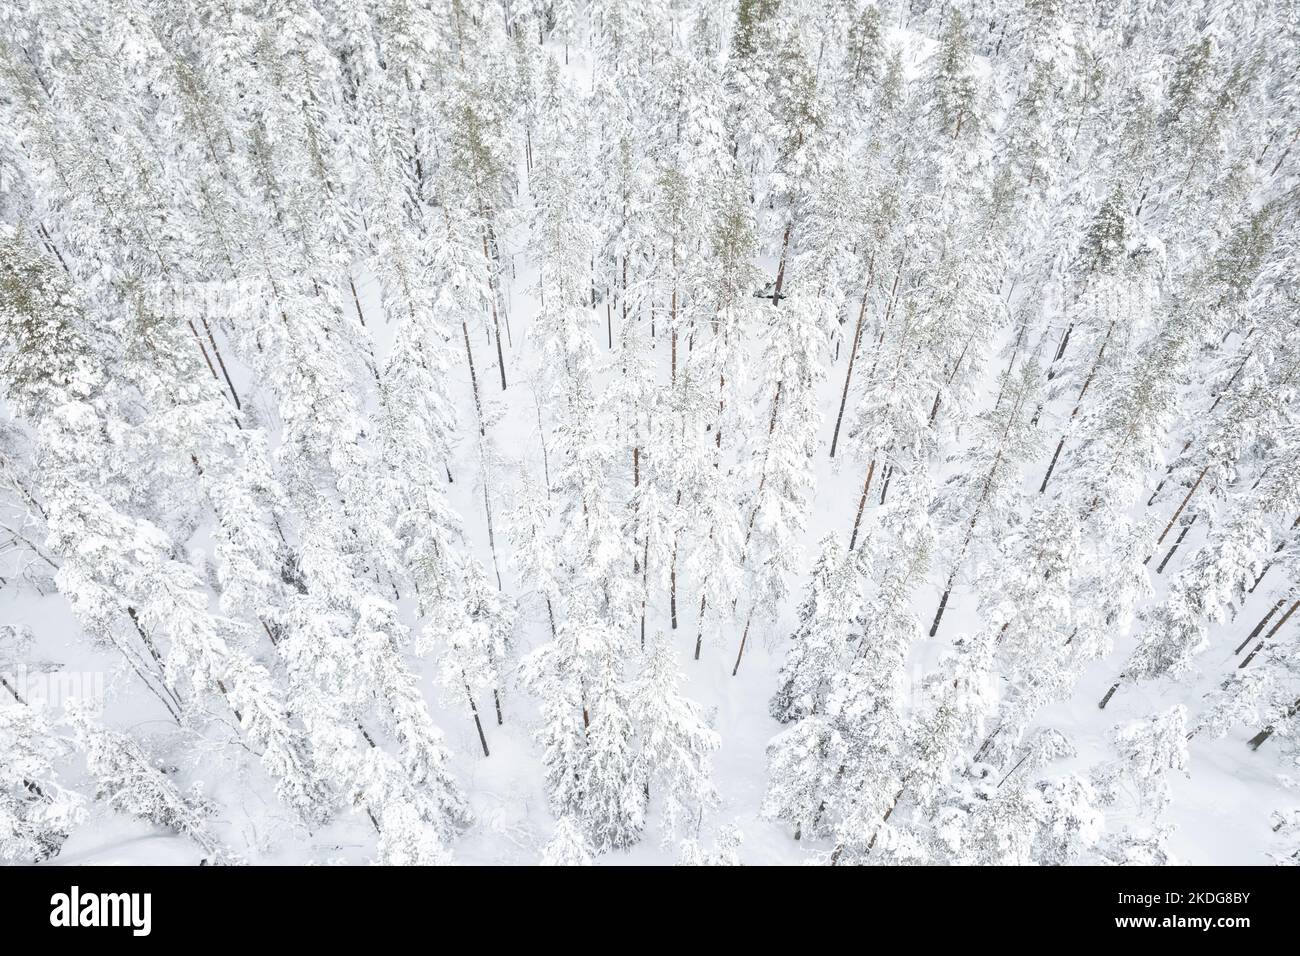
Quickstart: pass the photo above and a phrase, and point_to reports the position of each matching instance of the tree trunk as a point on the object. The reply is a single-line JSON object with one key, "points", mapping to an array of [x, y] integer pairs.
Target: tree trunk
{"points": [[862, 503], [1060, 352], [743, 637], [220, 361], [1273, 630], [1281, 544], [1078, 403], [1109, 694], [1256, 741], [672, 313], [492, 543], [672, 585], [203, 348], [1160, 568], [1188, 444], [853, 356], [943, 604], [473, 709], [722, 407], [780, 268], [496, 324], [473, 377], [974, 518], [1261, 625], [699, 633], [762, 478], [1179, 510]]}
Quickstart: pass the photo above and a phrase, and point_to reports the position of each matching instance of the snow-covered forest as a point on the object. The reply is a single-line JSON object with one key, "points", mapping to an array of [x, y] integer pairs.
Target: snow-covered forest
{"points": [[649, 431]]}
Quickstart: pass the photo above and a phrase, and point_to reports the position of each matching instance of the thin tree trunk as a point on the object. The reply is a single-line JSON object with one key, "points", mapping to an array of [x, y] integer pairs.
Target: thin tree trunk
{"points": [[1286, 152], [222, 362], [672, 313], [672, 574], [492, 543], [699, 633], [884, 485], [1188, 444], [1267, 637], [1078, 403], [1257, 741], [473, 377], [743, 637], [645, 586], [1060, 352], [496, 323], [1179, 510], [356, 301], [1258, 629], [722, 407], [862, 503], [1109, 694], [762, 479], [943, 603], [473, 709], [853, 356], [1160, 568], [974, 518], [203, 348], [1281, 544], [835, 856], [780, 268]]}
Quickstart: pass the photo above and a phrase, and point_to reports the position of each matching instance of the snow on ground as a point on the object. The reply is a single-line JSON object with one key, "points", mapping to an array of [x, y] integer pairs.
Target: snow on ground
{"points": [[1219, 809]]}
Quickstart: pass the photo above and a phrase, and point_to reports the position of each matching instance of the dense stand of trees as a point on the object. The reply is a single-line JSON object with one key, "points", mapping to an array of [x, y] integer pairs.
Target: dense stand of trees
{"points": [[367, 362]]}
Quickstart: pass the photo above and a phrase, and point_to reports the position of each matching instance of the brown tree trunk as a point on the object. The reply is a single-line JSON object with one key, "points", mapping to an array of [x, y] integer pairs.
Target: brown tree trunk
{"points": [[743, 637], [1273, 630], [780, 268], [862, 503], [853, 356], [1179, 510]]}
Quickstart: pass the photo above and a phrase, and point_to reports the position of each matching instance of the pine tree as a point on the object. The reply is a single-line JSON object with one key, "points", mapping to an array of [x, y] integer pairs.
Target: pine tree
{"points": [[820, 644], [37, 812], [568, 847], [676, 741], [129, 782]]}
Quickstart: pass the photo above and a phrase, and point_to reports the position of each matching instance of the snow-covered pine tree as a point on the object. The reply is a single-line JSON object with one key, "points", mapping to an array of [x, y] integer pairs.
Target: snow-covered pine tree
{"points": [[568, 846], [820, 643], [37, 811], [676, 741]]}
